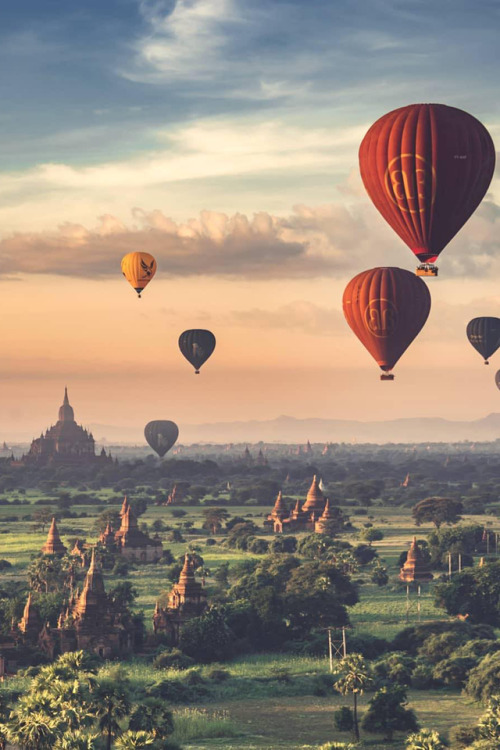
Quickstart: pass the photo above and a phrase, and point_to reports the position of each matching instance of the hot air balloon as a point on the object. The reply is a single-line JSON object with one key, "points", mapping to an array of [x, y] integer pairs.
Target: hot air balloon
{"points": [[161, 435], [197, 346], [138, 269], [426, 168], [386, 308], [484, 335], [497, 379]]}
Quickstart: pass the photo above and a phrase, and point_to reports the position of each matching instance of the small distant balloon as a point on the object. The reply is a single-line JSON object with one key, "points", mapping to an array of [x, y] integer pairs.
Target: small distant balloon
{"points": [[161, 435], [497, 379], [138, 269], [386, 308], [484, 335], [197, 346]]}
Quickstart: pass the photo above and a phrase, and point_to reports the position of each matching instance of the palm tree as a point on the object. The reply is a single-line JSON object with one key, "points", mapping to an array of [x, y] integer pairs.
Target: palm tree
{"points": [[31, 730], [111, 702], [426, 739], [77, 740], [134, 740], [353, 678], [152, 715]]}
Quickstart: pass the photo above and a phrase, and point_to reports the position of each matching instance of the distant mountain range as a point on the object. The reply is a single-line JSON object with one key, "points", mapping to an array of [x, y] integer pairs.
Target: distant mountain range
{"points": [[290, 430]]}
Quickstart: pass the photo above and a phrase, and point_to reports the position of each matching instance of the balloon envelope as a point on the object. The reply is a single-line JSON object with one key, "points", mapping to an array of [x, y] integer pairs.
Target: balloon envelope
{"points": [[497, 378], [197, 346], [138, 269], [161, 435], [386, 308], [426, 168], [484, 335]]}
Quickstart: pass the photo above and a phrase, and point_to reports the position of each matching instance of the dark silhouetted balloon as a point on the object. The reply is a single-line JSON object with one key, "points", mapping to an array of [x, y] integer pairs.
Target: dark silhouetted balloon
{"points": [[484, 335], [426, 168], [197, 346], [386, 308], [161, 435]]}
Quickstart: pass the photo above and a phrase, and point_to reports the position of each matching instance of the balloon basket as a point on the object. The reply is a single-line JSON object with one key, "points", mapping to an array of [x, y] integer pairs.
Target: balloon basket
{"points": [[387, 376], [427, 269]]}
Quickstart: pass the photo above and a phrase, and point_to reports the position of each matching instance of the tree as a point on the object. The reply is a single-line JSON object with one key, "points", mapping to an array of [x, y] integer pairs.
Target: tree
{"points": [[214, 518], [437, 510], [77, 740], [153, 716], [207, 638], [31, 730], [475, 592], [353, 677], [371, 535], [484, 680], [41, 518], [426, 739], [111, 700], [387, 712], [379, 575]]}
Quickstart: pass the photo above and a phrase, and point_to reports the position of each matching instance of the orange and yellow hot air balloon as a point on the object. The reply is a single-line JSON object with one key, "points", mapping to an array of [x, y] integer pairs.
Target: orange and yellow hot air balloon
{"points": [[138, 269]]}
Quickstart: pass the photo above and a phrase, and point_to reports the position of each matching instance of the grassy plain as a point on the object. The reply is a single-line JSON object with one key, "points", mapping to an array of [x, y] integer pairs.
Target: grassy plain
{"points": [[254, 709]]}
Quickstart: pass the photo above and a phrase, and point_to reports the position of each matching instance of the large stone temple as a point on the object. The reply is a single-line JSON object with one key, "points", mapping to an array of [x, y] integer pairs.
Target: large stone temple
{"points": [[91, 621], [64, 442]]}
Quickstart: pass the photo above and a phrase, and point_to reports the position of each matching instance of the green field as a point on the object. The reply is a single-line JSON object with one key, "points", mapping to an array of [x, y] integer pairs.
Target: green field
{"points": [[253, 709]]}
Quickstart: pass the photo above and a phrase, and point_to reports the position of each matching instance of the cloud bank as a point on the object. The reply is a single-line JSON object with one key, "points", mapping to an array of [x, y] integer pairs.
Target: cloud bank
{"points": [[309, 242]]}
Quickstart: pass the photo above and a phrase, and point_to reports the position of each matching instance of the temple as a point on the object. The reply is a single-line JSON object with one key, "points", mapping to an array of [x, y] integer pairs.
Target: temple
{"points": [[91, 621], [415, 568], [65, 442], [186, 600], [315, 515], [129, 541], [54, 545]]}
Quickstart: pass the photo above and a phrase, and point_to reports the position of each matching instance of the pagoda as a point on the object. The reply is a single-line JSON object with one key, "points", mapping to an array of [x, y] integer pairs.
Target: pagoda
{"points": [[30, 623], [415, 569], [54, 545], [278, 513], [315, 500], [186, 600]]}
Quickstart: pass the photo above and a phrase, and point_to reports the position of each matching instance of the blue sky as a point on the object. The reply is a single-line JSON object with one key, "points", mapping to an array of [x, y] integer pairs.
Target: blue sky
{"points": [[93, 81]]}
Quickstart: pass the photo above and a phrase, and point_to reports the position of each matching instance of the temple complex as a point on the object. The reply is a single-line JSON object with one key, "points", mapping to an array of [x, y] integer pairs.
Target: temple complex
{"points": [[90, 621], [54, 545], [415, 569], [64, 442], [186, 600], [314, 515]]}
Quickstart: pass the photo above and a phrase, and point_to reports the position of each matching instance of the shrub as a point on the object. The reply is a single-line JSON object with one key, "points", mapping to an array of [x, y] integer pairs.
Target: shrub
{"points": [[421, 677], [426, 739], [343, 719], [172, 659], [462, 736], [120, 568], [218, 675], [484, 680]]}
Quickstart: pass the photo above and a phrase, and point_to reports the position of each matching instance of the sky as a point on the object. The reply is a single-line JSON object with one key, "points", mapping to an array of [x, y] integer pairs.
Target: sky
{"points": [[222, 136]]}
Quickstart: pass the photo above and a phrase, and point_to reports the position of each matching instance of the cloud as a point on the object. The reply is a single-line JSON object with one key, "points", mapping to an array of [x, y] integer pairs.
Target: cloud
{"points": [[310, 242], [212, 244]]}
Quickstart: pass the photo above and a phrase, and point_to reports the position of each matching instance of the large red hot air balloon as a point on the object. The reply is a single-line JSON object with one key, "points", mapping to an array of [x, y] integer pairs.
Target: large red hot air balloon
{"points": [[426, 168], [386, 308]]}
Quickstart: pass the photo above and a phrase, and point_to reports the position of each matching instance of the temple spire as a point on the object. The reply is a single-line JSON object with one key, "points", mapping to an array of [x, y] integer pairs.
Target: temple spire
{"points": [[53, 545], [66, 413]]}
